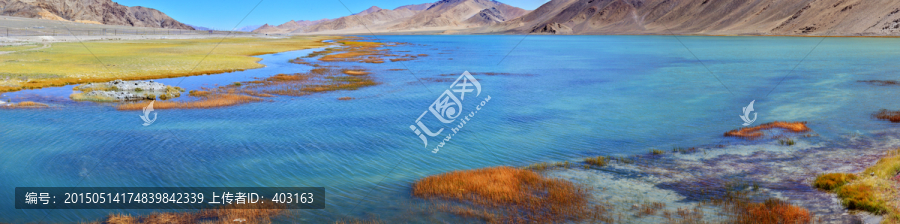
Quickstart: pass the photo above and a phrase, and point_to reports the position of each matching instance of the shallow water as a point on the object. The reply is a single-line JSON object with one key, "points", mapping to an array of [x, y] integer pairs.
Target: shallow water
{"points": [[565, 97]]}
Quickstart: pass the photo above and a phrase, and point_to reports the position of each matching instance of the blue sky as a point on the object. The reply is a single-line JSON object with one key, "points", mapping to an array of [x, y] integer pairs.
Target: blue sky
{"points": [[225, 14]]}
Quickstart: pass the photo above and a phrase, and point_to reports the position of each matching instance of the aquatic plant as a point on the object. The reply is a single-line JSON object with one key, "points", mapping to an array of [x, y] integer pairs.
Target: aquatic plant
{"points": [[345, 98], [597, 161], [648, 208], [862, 197], [788, 142], [656, 152], [756, 131], [831, 181], [198, 93], [516, 195]]}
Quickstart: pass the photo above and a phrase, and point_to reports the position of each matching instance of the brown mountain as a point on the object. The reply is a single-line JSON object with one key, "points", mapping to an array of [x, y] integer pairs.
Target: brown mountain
{"points": [[373, 21], [90, 11], [369, 10], [418, 7], [711, 17], [457, 14]]}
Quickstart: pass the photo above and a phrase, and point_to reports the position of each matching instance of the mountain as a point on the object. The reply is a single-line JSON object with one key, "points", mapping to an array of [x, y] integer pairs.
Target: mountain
{"points": [[441, 15], [708, 17], [266, 28], [367, 11], [90, 11], [456, 14], [360, 23], [199, 27], [248, 28], [418, 7]]}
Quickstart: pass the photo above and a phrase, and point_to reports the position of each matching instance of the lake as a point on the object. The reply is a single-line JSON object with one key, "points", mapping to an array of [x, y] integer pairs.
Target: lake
{"points": [[552, 98]]}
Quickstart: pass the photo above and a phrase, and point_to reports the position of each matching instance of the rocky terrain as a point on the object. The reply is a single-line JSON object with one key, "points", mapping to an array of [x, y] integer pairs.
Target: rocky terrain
{"points": [[90, 11], [119, 90], [706, 17]]}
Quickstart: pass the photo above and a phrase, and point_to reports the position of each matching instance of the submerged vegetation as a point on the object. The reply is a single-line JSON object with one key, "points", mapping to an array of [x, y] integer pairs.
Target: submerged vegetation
{"points": [[884, 114], [71, 63], [513, 195]]}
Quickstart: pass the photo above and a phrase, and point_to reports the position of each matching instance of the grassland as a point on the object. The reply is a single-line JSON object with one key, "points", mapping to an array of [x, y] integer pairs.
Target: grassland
{"points": [[101, 61]]}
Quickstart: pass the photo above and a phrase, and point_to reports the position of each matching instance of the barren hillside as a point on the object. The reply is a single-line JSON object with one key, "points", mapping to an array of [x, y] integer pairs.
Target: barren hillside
{"points": [[713, 17], [90, 11]]}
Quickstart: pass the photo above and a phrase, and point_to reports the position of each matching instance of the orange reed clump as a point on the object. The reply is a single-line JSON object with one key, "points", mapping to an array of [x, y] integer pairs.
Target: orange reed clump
{"points": [[211, 101], [756, 131], [523, 196], [773, 211]]}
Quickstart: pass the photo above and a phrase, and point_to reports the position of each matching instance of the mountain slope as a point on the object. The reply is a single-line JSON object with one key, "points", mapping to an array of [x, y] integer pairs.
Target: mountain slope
{"points": [[90, 11], [712, 17]]}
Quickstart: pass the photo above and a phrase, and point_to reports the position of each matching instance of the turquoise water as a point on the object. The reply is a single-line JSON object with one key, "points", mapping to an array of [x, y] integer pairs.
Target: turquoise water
{"points": [[563, 98]]}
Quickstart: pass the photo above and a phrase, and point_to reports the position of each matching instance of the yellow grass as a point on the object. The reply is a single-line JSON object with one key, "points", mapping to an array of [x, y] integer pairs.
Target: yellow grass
{"points": [[597, 161], [887, 167], [833, 181], [73, 63], [354, 72], [26, 104]]}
